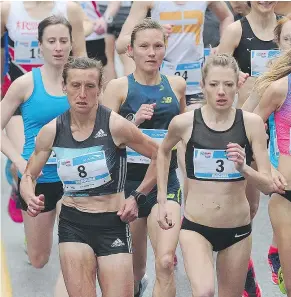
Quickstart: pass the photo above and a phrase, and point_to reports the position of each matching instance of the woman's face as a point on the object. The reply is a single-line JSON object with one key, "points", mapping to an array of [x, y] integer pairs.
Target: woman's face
{"points": [[285, 37], [56, 44], [263, 6], [148, 50], [220, 87]]}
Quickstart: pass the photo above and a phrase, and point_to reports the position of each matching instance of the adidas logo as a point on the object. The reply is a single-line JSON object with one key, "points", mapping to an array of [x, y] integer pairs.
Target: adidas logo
{"points": [[117, 242], [100, 133]]}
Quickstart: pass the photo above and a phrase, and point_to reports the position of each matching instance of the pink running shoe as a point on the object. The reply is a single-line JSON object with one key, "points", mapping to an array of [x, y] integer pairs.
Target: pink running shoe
{"points": [[252, 288], [14, 213]]}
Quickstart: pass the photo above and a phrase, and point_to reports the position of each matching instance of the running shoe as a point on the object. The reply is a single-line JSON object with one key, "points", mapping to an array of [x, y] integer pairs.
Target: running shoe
{"points": [[252, 288], [281, 282], [14, 213], [142, 286], [274, 263]]}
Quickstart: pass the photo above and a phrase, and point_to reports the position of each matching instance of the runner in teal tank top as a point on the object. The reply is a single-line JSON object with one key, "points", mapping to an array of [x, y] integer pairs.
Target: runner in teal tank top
{"points": [[150, 100]]}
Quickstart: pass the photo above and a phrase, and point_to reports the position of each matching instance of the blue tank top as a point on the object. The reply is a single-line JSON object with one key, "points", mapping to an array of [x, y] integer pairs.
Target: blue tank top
{"points": [[273, 146], [38, 110], [167, 107]]}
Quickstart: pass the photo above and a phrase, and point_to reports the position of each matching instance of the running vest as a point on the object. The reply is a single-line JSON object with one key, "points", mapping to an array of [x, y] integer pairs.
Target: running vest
{"points": [[93, 167], [248, 42], [167, 106], [24, 52], [38, 110], [205, 153], [185, 48], [283, 123], [92, 10]]}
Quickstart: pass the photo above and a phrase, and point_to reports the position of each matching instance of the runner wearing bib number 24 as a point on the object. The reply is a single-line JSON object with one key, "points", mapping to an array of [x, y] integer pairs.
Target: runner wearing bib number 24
{"points": [[89, 141], [150, 100], [219, 143]]}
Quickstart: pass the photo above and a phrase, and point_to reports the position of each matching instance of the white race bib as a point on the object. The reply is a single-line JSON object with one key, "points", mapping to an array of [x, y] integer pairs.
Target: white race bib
{"points": [[27, 52], [260, 60], [213, 164], [191, 72], [84, 172], [155, 134]]}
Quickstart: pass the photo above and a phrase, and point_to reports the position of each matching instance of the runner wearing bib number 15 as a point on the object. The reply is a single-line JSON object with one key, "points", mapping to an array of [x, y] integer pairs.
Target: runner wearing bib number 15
{"points": [[219, 140], [150, 100], [89, 141], [40, 97], [183, 22]]}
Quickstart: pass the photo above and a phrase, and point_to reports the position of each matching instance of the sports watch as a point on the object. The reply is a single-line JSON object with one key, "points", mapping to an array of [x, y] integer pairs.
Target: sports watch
{"points": [[108, 19], [140, 198]]}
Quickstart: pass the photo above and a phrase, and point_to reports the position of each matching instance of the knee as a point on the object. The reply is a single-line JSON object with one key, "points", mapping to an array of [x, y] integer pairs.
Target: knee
{"points": [[38, 260], [204, 292], [165, 264]]}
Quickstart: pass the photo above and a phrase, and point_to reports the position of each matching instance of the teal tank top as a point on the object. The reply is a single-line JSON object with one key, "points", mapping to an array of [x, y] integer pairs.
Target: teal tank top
{"points": [[38, 110], [167, 107]]}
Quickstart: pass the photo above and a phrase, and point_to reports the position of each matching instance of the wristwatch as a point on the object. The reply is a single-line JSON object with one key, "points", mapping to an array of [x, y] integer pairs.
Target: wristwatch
{"points": [[140, 198], [108, 19]]}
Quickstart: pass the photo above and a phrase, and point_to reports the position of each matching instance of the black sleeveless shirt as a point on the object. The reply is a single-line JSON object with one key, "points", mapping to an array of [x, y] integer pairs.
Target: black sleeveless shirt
{"points": [[205, 153], [93, 167]]}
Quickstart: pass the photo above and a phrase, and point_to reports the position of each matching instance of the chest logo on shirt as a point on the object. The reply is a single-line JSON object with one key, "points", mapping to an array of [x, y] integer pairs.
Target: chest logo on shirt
{"points": [[249, 38], [167, 100]]}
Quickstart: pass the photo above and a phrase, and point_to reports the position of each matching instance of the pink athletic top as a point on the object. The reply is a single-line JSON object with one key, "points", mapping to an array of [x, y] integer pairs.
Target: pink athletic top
{"points": [[283, 123]]}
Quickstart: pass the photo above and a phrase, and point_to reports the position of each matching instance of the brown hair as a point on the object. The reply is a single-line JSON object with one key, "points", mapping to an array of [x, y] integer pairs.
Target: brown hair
{"points": [[83, 63], [278, 28], [147, 23], [279, 68], [222, 60], [53, 20]]}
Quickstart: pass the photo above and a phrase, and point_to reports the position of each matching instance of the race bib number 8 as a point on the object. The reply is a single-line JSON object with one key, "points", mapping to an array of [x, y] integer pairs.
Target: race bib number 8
{"points": [[134, 157], [27, 52], [260, 60], [84, 172], [213, 164]]}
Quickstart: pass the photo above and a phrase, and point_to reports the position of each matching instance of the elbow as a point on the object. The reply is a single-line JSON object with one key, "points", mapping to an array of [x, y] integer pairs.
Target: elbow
{"points": [[120, 48]]}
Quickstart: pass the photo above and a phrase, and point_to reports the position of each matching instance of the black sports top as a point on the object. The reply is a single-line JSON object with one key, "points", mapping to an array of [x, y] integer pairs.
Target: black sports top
{"points": [[205, 153], [93, 167], [248, 42]]}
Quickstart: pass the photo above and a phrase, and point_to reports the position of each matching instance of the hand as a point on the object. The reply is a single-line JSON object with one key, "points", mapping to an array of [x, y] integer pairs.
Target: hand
{"points": [[279, 181], [129, 210], [145, 112], [242, 78], [236, 153], [165, 217], [167, 29], [100, 26], [35, 205]]}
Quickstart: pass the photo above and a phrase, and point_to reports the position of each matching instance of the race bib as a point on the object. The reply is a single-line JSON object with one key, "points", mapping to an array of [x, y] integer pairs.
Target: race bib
{"points": [[213, 164], [156, 135], [27, 52], [191, 72], [260, 60], [84, 172]]}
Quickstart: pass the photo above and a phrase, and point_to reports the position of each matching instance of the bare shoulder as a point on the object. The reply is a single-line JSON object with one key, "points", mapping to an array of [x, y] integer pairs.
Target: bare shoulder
{"points": [[251, 118], [119, 86], [5, 9], [181, 123], [23, 86], [278, 87], [178, 83]]}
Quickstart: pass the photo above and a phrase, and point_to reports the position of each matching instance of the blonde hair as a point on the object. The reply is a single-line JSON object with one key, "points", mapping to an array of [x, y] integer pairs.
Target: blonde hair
{"points": [[222, 60], [278, 28], [280, 67], [147, 23]]}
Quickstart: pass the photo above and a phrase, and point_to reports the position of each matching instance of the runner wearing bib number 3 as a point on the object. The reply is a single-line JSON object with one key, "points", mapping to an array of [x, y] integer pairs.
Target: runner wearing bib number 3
{"points": [[40, 97], [150, 100], [220, 140], [183, 22], [90, 141]]}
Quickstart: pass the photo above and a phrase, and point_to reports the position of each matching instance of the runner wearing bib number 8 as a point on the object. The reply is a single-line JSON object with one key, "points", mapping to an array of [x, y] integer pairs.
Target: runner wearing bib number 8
{"points": [[219, 143], [150, 100], [89, 141]]}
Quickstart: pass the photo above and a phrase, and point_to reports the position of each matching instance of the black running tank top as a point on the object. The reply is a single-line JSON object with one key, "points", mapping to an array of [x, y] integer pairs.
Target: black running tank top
{"points": [[248, 42], [93, 167], [205, 153]]}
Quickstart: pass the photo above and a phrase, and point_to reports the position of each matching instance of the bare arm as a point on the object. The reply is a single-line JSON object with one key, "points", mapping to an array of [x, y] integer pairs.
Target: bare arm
{"points": [[38, 159], [230, 38], [127, 134], [112, 9], [75, 16], [220, 9], [137, 13]]}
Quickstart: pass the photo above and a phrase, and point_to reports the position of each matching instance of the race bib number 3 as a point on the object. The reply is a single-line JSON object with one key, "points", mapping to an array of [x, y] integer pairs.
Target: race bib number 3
{"points": [[27, 52], [213, 164], [134, 157], [260, 60], [84, 172]]}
